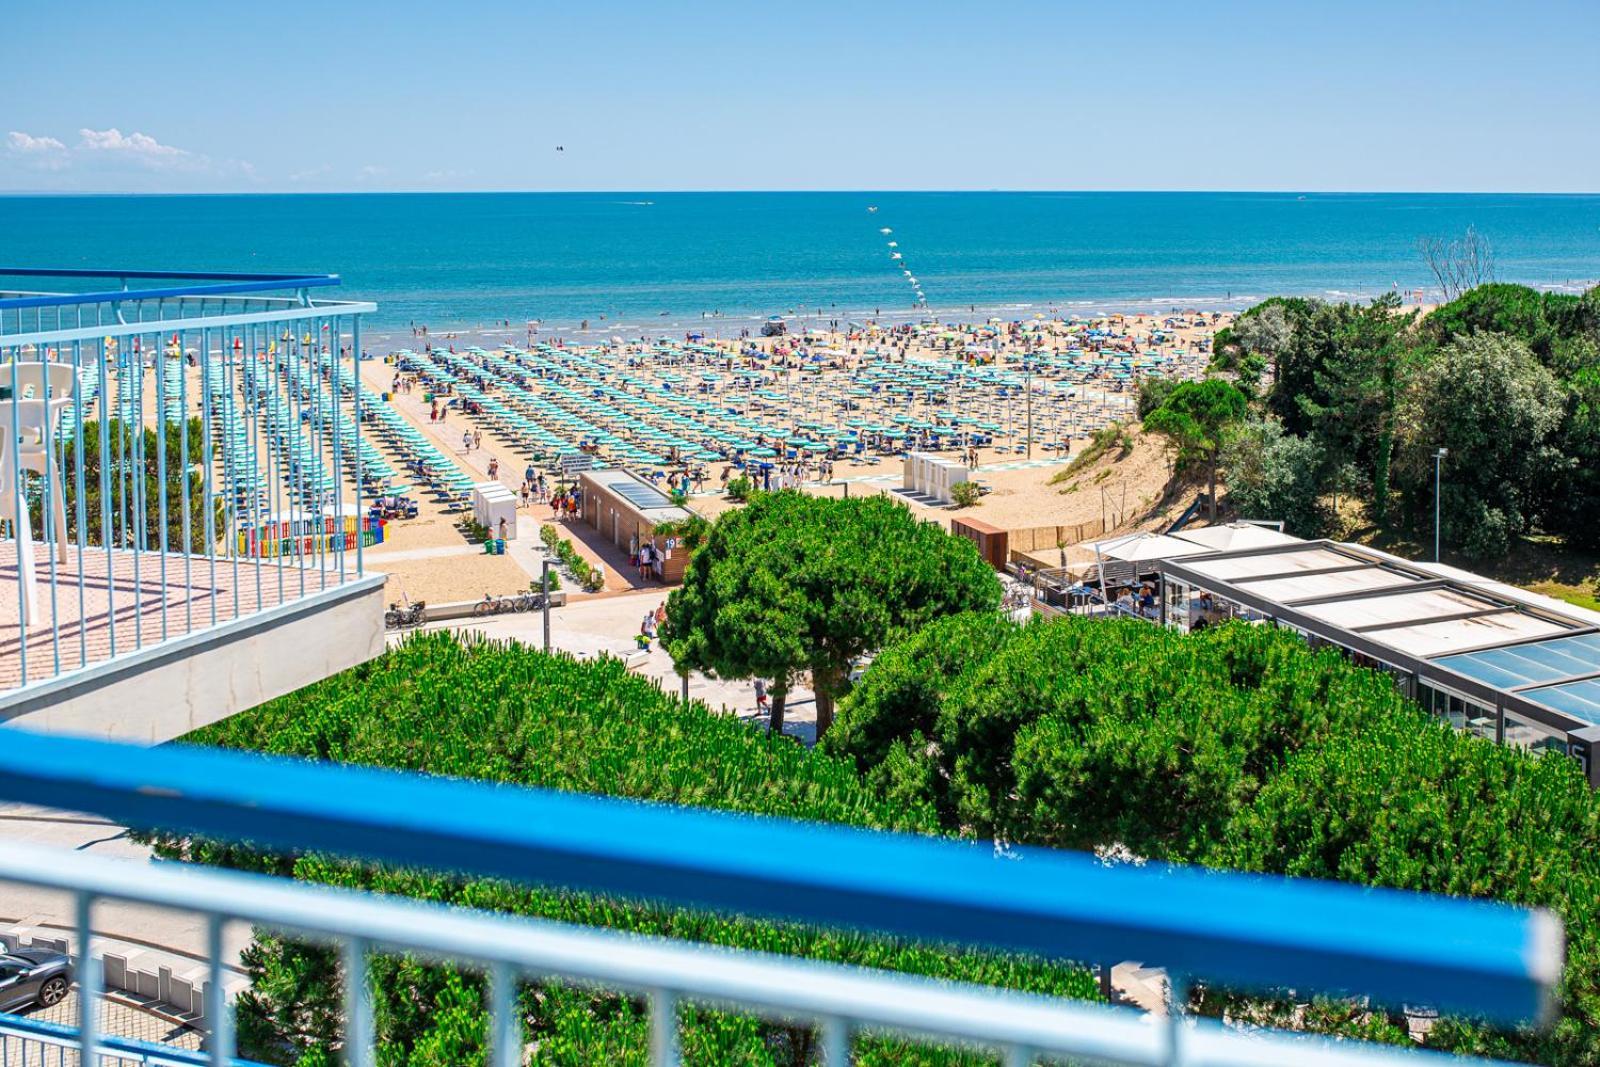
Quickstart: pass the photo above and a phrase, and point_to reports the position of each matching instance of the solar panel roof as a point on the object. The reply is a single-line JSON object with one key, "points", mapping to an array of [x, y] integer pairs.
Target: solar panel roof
{"points": [[642, 497], [1532, 663]]}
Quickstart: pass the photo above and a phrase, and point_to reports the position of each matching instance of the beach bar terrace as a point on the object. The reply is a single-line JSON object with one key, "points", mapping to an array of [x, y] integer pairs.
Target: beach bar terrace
{"points": [[153, 426]]}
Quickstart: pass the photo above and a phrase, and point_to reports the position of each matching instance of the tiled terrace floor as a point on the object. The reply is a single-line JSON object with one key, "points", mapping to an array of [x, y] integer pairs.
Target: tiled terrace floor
{"points": [[98, 605]]}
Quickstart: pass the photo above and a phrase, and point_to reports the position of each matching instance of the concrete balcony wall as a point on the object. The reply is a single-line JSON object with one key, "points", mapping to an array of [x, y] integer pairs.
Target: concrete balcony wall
{"points": [[167, 689]]}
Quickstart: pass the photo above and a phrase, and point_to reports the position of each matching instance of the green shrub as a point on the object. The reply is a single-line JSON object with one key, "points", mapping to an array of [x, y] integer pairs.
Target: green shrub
{"points": [[887, 722], [740, 488], [143, 452], [1237, 747], [589, 578], [1101, 442], [965, 494], [474, 708]]}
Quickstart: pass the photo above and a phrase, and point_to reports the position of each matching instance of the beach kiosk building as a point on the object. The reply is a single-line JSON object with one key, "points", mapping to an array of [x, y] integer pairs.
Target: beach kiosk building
{"points": [[626, 509]]}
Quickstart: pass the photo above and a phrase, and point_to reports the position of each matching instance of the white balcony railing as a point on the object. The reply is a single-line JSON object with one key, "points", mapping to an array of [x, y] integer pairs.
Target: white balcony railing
{"points": [[174, 461]]}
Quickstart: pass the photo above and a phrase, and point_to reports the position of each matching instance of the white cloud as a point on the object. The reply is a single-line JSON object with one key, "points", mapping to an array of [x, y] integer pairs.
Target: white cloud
{"points": [[372, 170], [43, 153], [111, 158], [23, 142], [140, 146]]}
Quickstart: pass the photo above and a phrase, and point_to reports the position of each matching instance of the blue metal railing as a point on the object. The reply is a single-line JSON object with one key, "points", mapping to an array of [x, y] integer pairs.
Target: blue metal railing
{"points": [[1484, 959], [216, 283], [31, 1041]]}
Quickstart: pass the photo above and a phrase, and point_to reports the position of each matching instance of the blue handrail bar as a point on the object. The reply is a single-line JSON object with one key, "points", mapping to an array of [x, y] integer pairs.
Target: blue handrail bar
{"points": [[1476, 958], [122, 1049], [222, 283]]}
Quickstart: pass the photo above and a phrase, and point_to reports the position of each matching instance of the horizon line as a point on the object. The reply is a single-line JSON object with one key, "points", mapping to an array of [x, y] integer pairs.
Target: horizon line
{"points": [[19, 193]]}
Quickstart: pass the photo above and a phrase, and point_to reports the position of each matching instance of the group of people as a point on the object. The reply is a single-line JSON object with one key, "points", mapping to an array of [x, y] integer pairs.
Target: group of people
{"points": [[685, 481], [534, 490], [566, 503], [1138, 601], [644, 555], [651, 625]]}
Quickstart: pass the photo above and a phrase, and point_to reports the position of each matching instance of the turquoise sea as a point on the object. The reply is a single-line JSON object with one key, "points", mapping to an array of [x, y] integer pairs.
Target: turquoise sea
{"points": [[660, 260]]}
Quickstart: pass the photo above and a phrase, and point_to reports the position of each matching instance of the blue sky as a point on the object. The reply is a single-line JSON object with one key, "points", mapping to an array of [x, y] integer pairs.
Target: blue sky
{"points": [[181, 96]]}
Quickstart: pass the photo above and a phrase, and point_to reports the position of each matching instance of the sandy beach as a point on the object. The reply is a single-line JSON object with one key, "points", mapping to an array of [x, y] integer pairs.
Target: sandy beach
{"points": [[1082, 374]]}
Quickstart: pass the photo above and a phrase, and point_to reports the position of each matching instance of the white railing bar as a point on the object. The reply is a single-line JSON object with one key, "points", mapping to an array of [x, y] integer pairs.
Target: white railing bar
{"points": [[90, 333], [357, 1004], [505, 1020], [753, 982], [835, 1042], [779, 985], [88, 983], [219, 1018], [664, 1028]]}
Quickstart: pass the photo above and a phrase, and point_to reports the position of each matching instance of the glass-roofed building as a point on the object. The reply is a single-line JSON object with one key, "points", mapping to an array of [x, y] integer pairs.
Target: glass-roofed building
{"points": [[1502, 662]]}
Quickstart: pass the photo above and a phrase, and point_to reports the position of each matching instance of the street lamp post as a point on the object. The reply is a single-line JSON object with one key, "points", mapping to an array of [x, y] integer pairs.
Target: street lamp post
{"points": [[1438, 464], [544, 582]]}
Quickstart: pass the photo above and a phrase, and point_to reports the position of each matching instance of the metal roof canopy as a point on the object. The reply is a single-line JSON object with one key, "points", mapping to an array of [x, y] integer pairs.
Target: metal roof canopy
{"points": [[1414, 645]]}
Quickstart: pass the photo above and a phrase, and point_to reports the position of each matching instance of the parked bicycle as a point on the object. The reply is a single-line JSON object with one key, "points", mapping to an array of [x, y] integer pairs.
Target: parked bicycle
{"points": [[401, 615], [491, 605]]}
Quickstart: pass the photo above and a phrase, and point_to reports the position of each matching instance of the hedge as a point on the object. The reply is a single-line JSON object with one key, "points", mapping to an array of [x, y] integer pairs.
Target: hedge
{"points": [[1236, 747], [470, 707], [587, 576]]}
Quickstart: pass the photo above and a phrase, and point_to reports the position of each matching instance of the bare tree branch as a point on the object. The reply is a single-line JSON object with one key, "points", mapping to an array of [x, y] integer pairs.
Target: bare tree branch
{"points": [[1458, 264]]}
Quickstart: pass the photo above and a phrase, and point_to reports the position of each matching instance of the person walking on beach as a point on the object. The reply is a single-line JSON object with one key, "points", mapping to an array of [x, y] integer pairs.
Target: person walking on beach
{"points": [[761, 696]]}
